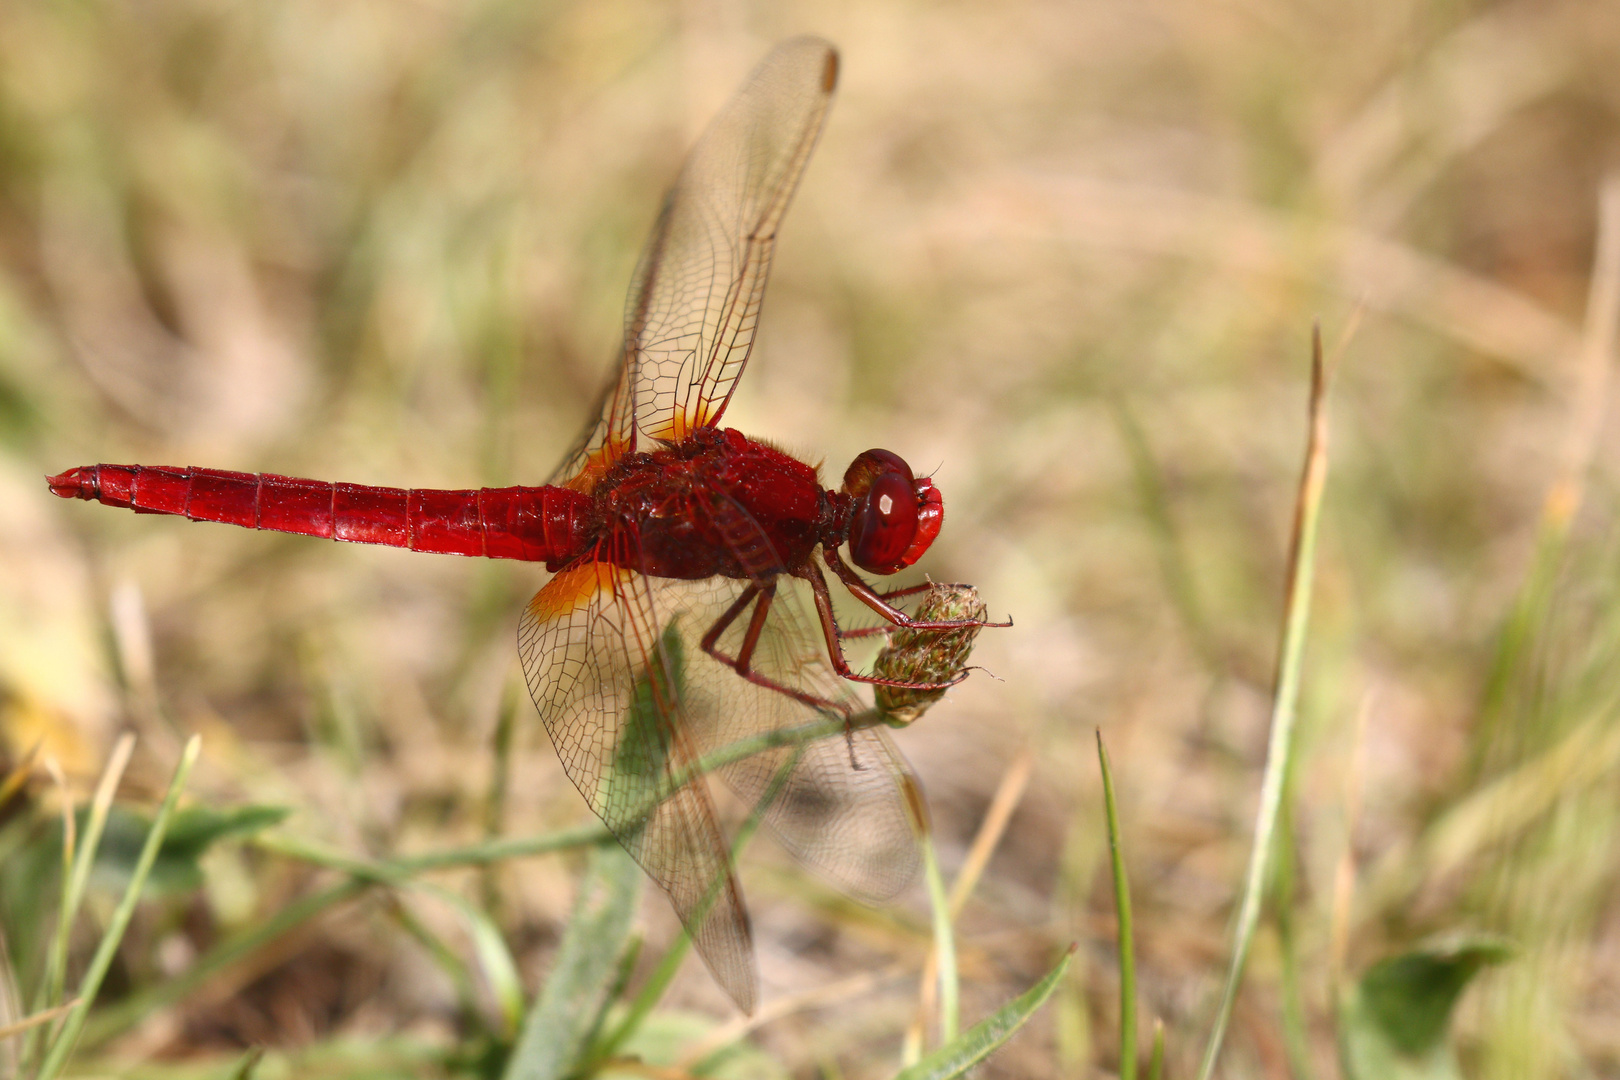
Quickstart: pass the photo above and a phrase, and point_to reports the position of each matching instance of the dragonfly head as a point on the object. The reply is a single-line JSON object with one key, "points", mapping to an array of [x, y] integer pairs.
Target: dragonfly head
{"points": [[894, 517]]}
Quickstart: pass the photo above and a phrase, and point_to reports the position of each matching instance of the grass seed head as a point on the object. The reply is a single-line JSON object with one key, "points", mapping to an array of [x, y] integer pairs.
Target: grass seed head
{"points": [[934, 656]]}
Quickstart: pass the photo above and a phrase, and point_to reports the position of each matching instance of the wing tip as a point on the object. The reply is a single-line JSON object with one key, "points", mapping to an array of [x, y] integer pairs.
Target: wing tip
{"points": [[746, 995], [724, 936], [804, 43]]}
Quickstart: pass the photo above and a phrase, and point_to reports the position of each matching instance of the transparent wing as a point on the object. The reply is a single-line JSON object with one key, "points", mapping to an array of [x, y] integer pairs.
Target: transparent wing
{"points": [[844, 809], [605, 662], [695, 299]]}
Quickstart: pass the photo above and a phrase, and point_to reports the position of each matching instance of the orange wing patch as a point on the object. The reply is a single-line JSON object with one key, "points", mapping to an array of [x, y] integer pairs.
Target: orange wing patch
{"points": [[597, 462], [573, 589], [682, 423]]}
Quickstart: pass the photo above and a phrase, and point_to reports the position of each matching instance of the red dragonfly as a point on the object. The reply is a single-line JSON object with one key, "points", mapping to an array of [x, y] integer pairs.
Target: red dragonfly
{"points": [[672, 625]]}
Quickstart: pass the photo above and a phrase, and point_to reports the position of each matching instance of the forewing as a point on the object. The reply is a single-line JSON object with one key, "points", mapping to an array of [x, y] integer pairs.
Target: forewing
{"points": [[605, 663], [695, 299], [844, 809]]}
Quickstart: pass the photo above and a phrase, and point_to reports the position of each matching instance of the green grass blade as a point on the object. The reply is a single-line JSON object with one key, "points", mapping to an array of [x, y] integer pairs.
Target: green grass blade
{"points": [[500, 781], [105, 951], [1156, 1062], [1122, 909], [365, 873], [670, 963], [981, 1040], [1155, 498], [233, 949], [389, 871], [1285, 700], [401, 869], [621, 983], [451, 963], [1295, 1021], [950, 1009], [249, 1065], [83, 859], [646, 998], [49, 989], [553, 1039], [494, 959]]}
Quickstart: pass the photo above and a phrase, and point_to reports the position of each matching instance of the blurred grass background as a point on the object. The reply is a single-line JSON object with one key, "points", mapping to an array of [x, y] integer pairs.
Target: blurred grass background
{"points": [[1067, 253]]}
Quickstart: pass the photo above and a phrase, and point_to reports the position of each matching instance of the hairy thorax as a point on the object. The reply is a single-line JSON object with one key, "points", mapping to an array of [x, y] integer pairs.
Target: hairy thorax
{"points": [[717, 502]]}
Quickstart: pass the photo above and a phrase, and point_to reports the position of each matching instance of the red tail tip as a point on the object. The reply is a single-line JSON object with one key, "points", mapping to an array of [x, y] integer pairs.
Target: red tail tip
{"points": [[77, 483]]}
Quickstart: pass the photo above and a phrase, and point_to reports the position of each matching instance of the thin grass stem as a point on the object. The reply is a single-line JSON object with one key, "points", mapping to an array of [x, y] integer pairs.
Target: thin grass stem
{"points": [[18, 776], [388, 871], [950, 1009], [703, 1056], [647, 998], [448, 961], [991, 829], [364, 873], [1155, 499], [499, 785], [84, 858], [621, 983], [652, 991], [118, 1018], [1568, 490], [81, 860], [90, 984], [1284, 706], [28, 1023], [1296, 1041], [49, 989], [1122, 909], [1156, 1062]]}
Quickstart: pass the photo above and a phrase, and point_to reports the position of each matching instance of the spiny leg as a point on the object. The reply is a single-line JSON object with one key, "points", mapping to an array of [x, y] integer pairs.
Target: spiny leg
{"points": [[894, 594], [879, 603], [835, 648], [726, 618], [761, 596], [756, 626], [910, 590]]}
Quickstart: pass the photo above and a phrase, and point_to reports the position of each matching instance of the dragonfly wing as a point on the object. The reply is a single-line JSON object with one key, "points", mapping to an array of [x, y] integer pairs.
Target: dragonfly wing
{"points": [[604, 662], [846, 806], [695, 299]]}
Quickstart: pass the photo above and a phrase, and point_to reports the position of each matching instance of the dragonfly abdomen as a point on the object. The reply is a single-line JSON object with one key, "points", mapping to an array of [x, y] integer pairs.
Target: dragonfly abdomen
{"points": [[535, 524]]}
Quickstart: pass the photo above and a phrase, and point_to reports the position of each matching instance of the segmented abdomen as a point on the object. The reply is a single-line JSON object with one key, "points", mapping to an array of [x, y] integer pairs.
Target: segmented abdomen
{"points": [[537, 524]]}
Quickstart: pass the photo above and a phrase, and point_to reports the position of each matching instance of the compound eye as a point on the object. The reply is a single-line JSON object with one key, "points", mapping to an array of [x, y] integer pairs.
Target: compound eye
{"points": [[866, 469], [885, 523]]}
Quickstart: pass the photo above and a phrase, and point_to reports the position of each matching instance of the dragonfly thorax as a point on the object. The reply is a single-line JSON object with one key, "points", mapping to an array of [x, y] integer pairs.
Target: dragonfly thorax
{"points": [[714, 503], [720, 503]]}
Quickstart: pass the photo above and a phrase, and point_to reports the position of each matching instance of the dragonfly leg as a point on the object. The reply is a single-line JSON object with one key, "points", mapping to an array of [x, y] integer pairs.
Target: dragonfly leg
{"points": [[761, 597], [893, 594], [835, 648], [879, 602], [909, 590], [726, 618]]}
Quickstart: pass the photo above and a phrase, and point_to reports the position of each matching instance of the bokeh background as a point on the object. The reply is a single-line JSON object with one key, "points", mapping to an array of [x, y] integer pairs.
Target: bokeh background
{"points": [[1068, 254]]}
